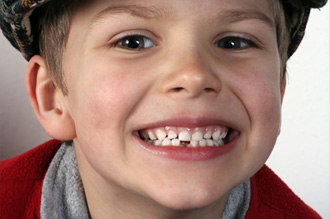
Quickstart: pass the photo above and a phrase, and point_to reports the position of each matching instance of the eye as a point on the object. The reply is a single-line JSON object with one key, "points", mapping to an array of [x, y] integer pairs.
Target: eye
{"points": [[234, 43], [135, 42]]}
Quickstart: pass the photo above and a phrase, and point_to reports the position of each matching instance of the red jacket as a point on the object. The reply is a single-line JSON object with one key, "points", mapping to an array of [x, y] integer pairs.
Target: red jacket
{"points": [[21, 182]]}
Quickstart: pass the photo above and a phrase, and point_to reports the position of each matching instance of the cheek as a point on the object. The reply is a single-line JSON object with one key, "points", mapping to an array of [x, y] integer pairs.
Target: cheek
{"points": [[258, 90], [101, 109], [264, 109], [265, 101], [258, 87], [265, 120], [265, 114], [107, 104]]}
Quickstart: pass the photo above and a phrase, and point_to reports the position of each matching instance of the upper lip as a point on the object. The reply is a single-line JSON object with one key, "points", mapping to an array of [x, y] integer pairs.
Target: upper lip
{"points": [[189, 122]]}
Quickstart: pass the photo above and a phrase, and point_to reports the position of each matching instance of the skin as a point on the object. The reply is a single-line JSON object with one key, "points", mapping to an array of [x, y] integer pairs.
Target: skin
{"points": [[114, 91]]}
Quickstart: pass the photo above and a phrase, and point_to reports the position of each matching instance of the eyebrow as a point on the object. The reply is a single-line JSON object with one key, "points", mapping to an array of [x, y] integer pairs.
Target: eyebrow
{"points": [[152, 12], [234, 16], [146, 13]]}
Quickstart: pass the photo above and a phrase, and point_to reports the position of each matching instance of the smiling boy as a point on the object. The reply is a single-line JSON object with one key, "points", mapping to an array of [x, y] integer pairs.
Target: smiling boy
{"points": [[165, 109]]}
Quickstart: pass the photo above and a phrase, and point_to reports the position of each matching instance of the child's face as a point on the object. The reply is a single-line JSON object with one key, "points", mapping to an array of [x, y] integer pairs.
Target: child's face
{"points": [[201, 65]]}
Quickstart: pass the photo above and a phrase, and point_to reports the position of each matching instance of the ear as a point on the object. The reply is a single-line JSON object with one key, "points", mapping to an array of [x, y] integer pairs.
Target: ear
{"points": [[48, 101], [282, 89]]}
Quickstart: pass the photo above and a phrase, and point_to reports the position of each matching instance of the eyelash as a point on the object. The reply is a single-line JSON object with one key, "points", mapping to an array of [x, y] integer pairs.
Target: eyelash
{"points": [[142, 42], [137, 45], [230, 43]]}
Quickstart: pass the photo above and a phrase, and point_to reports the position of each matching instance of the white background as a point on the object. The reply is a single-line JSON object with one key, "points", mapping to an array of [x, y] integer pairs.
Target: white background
{"points": [[301, 155]]}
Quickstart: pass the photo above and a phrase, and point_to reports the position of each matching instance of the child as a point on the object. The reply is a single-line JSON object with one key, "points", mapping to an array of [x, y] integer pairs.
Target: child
{"points": [[164, 109]]}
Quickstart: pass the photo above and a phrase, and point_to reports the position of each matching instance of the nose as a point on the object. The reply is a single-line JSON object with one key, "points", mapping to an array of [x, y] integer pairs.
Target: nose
{"points": [[191, 75]]}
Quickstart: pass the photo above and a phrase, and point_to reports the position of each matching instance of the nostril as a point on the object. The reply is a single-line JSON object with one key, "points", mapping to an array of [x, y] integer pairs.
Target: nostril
{"points": [[177, 89], [208, 89]]}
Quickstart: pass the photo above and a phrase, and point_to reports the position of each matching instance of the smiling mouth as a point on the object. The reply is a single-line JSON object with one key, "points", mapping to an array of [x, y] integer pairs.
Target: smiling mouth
{"points": [[209, 136]]}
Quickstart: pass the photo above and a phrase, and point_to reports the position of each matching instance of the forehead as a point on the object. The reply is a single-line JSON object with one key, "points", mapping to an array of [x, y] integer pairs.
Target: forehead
{"points": [[231, 10]]}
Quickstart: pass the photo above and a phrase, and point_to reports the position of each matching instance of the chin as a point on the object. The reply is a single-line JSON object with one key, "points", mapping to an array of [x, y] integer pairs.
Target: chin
{"points": [[181, 200]]}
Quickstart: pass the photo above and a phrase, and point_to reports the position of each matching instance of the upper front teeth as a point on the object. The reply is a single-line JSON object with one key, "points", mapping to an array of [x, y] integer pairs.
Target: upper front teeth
{"points": [[184, 136], [171, 134], [207, 136], [197, 136]]}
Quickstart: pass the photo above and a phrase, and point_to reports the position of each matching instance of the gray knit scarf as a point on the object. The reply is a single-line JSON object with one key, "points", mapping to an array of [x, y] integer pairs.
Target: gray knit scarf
{"points": [[63, 194]]}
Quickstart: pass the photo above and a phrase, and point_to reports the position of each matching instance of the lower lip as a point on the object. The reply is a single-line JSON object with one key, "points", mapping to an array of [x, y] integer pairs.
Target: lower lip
{"points": [[188, 153]]}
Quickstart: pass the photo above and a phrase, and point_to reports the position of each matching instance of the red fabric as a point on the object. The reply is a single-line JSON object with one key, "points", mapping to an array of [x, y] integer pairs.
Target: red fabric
{"points": [[21, 183], [272, 198]]}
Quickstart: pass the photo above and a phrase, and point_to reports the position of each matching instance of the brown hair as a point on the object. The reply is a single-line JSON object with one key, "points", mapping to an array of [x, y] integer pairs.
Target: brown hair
{"points": [[282, 32], [54, 21]]}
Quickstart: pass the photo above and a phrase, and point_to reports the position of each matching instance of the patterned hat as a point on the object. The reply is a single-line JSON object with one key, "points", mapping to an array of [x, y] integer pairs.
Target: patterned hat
{"points": [[16, 26]]}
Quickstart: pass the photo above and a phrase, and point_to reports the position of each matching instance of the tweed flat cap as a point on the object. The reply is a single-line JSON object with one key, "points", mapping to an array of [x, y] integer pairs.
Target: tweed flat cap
{"points": [[16, 25]]}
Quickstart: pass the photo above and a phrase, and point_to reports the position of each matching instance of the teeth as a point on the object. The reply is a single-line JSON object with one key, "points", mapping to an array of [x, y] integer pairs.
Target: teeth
{"points": [[160, 134], [224, 134], [216, 135], [175, 142], [220, 142], [209, 142], [157, 142], [208, 135], [151, 135], [197, 136], [202, 143], [171, 134], [184, 136], [166, 142], [194, 144]]}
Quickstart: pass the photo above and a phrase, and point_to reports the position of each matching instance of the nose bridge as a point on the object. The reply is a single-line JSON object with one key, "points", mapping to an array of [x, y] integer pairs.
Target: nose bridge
{"points": [[190, 74]]}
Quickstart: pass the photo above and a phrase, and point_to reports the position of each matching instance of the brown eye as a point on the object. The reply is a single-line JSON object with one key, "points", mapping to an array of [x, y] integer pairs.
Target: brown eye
{"points": [[135, 42], [234, 43]]}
